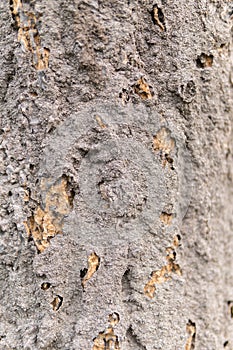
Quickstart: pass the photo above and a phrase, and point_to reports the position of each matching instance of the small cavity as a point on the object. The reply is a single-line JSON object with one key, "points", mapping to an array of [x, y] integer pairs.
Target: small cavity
{"points": [[204, 60], [57, 302], [45, 285], [158, 17]]}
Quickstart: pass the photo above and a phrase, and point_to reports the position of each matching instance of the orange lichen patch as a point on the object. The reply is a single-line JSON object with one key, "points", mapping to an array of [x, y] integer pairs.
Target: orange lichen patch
{"points": [[93, 265], [142, 89], [100, 122], [164, 274], [191, 330], [165, 144], [108, 340], [28, 35], [46, 223], [166, 218]]}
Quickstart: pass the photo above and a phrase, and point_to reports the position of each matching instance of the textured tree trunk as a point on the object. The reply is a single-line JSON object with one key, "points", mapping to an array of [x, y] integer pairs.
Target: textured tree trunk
{"points": [[116, 175]]}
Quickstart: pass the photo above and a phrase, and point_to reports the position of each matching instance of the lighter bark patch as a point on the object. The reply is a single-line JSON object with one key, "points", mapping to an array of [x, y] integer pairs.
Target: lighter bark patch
{"points": [[191, 330], [164, 274], [107, 340], [142, 89], [46, 223], [57, 303], [165, 144], [93, 265], [28, 35], [100, 122], [166, 218]]}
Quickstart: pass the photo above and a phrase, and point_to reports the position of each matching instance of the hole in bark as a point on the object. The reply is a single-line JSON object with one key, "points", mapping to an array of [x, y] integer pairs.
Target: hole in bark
{"points": [[113, 319], [177, 240], [230, 306], [83, 272], [158, 17], [57, 302], [204, 61], [125, 281], [188, 91], [124, 95], [230, 12], [169, 160], [45, 285], [142, 89], [191, 330], [30, 239], [93, 266], [9, 193], [225, 343]]}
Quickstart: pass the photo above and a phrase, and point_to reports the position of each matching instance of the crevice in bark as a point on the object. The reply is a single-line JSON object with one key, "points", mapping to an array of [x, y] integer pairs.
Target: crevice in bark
{"points": [[57, 302], [93, 265], [230, 308], [133, 340], [163, 275], [28, 35], [45, 285], [205, 61], [191, 330], [158, 17]]}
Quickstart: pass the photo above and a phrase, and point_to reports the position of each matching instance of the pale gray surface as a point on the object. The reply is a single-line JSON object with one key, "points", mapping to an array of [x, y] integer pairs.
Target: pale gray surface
{"points": [[99, 50]]}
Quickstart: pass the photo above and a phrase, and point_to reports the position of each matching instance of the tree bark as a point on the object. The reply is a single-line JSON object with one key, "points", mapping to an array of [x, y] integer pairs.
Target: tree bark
{"points": [[116, 175]]}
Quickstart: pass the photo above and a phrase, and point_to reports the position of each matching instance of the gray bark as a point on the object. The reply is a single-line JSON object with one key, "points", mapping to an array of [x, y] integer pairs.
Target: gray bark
{"points": [[116, 175]]}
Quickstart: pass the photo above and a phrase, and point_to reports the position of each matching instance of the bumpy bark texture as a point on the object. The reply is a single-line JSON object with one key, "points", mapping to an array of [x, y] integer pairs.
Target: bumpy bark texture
{"points": [[116, 175]]}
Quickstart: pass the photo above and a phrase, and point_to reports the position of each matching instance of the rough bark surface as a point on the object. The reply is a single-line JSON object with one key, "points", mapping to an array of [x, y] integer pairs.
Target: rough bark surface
{"points": [[116, 175]]}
